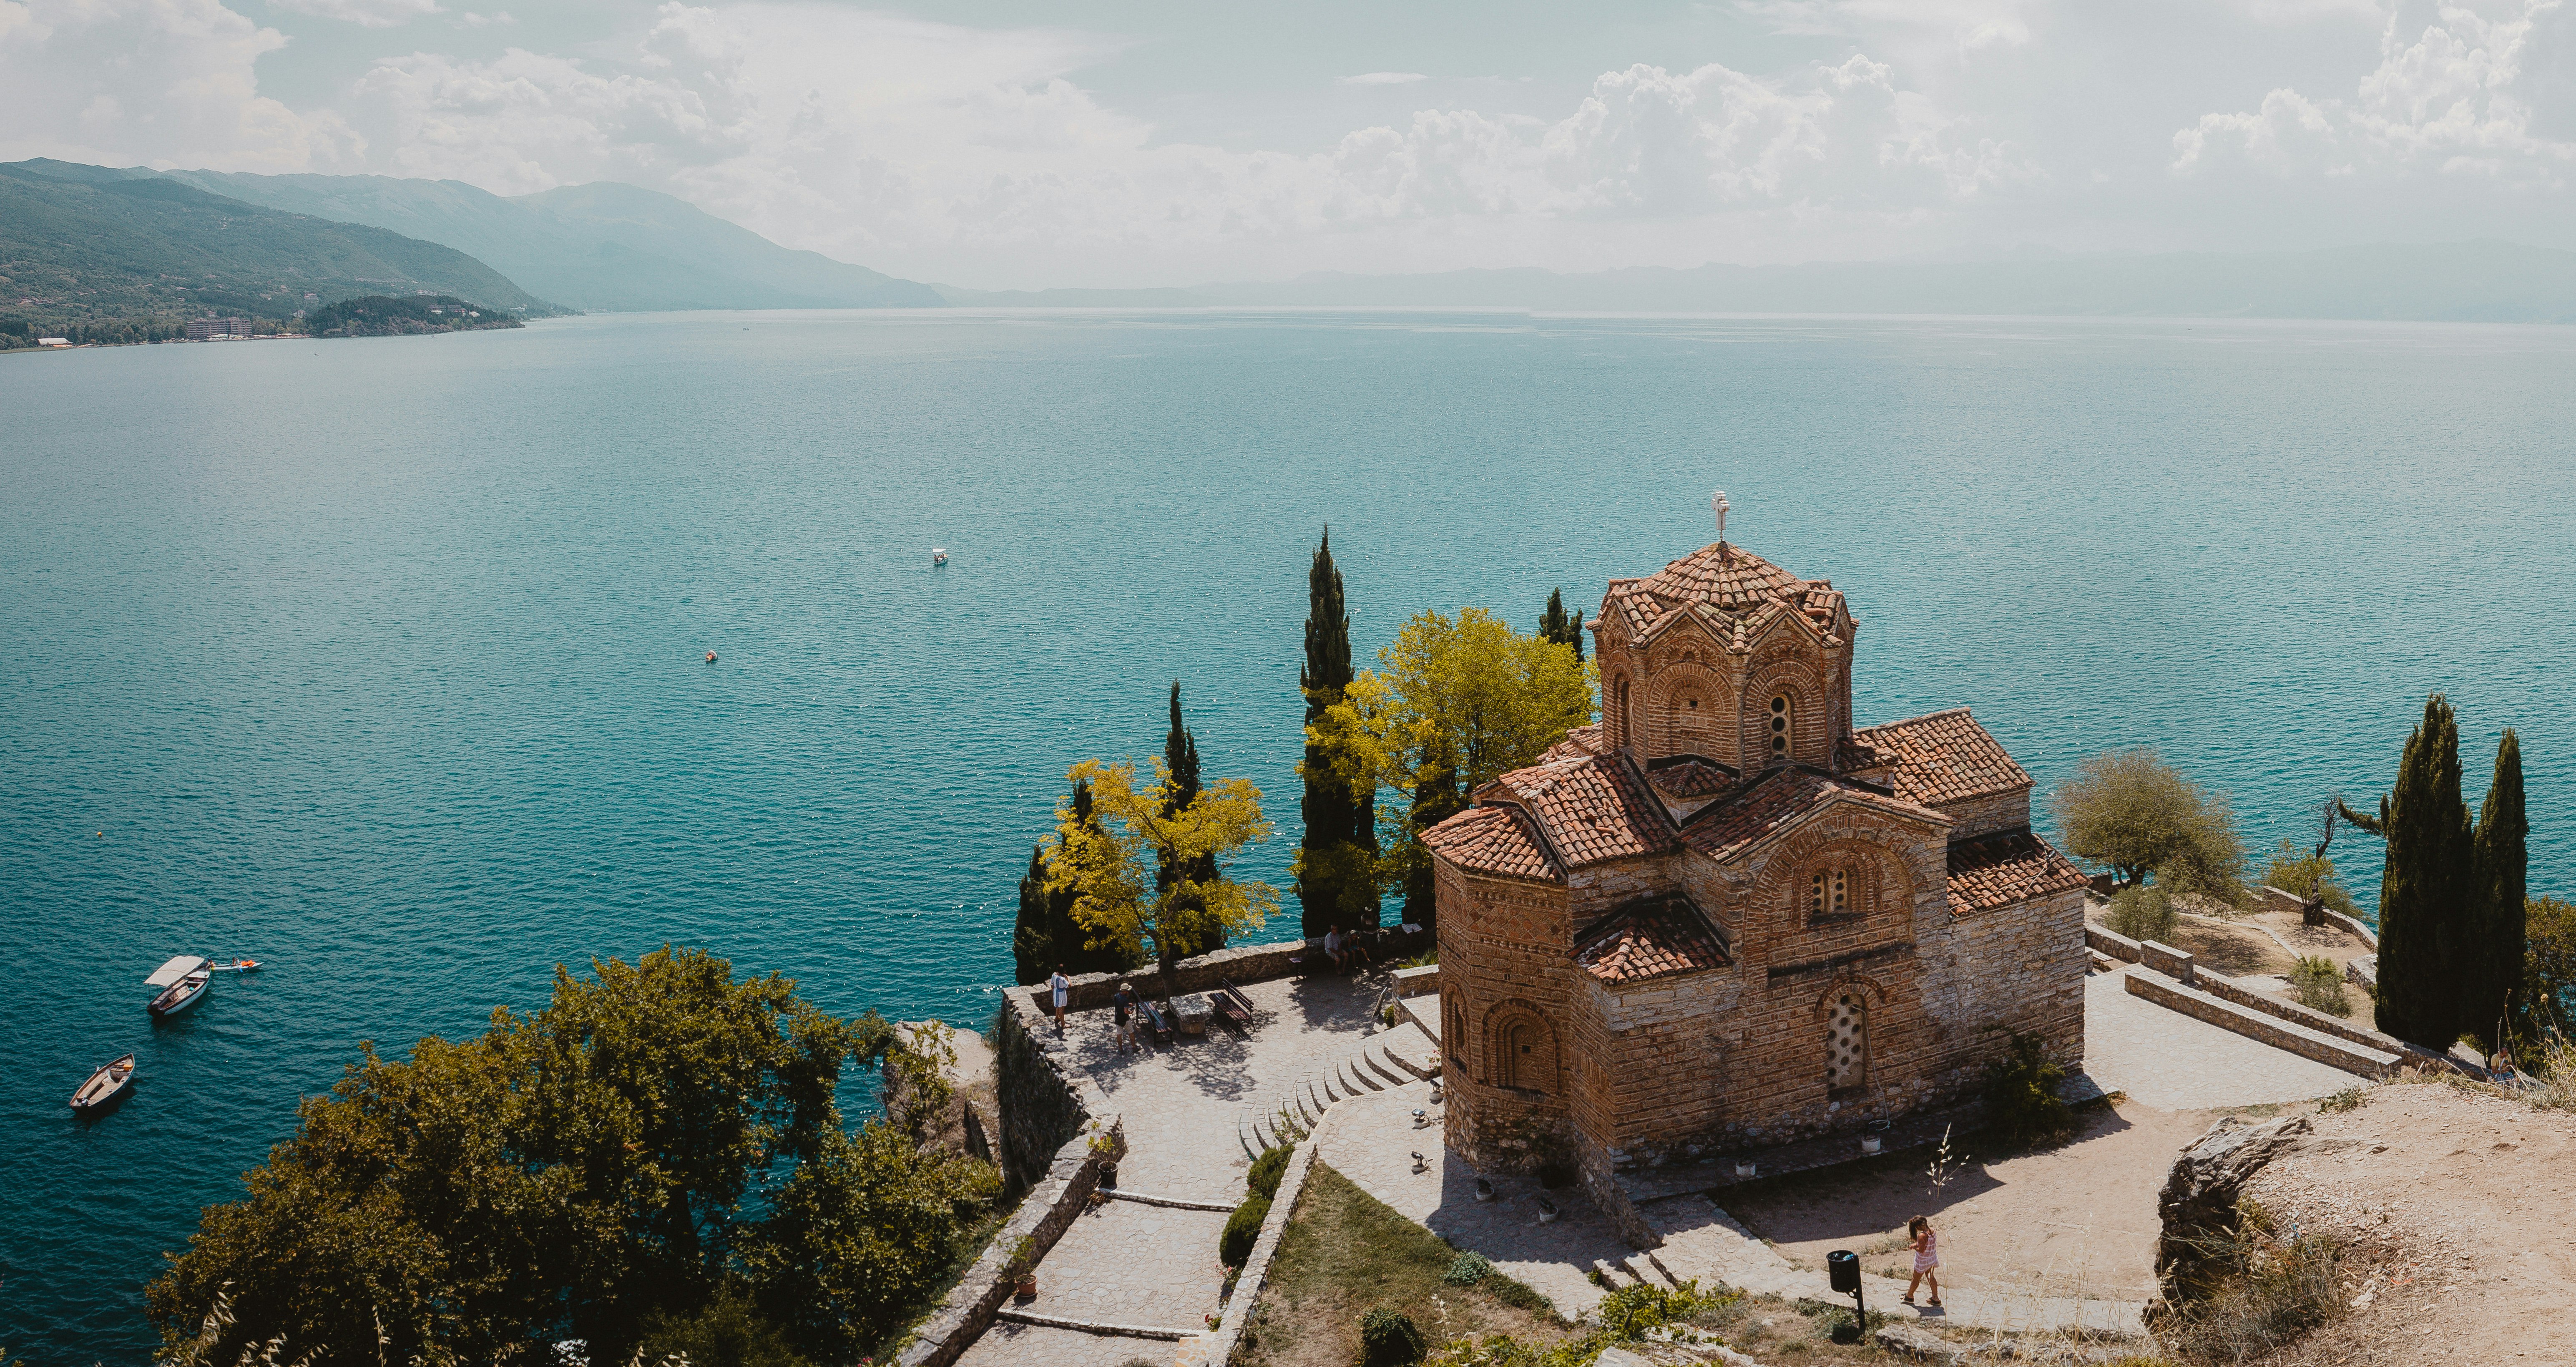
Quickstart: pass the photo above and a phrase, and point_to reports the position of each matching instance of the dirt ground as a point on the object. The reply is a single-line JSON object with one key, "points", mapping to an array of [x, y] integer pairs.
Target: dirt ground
{"points": [[2078, 1219], [2461, 1211]]}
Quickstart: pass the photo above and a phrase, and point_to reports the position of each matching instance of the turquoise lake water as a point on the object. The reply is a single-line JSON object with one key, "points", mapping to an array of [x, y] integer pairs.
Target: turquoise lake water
{"points": [[383, 661]]}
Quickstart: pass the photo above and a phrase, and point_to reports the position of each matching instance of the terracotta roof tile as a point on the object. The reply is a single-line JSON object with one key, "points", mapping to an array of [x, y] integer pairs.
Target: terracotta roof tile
{"points": [[1853, 753], [1691, 778], [1780, 796], [1945, 757], [1494, 840], [1723, 586], [1581, 741], [1999, 870], [1591, 809], [1650, 940]]}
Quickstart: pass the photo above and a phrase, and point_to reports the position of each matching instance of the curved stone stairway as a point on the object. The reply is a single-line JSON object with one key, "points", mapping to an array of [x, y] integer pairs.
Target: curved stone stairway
{"points": [[1389, 1058]]}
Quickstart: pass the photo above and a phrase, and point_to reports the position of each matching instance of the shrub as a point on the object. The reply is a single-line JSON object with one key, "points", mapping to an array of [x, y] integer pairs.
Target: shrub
{"points": [[2318, 984], [1242, 1231], [2301, 874], [2280, 1292], [1267, 1170], [2349, 1099], [2022, 1106], [1388, 1339], [2141, 913], [1468, 1270], [727, 1333]]}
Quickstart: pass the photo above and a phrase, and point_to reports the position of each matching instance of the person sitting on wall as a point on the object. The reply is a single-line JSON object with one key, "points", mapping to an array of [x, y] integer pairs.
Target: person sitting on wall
{"points": [[1333, 948]]}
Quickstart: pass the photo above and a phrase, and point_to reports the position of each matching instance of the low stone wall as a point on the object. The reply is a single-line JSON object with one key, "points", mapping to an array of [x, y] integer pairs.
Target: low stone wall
{"points": [[1042, 1219], [2256, 1025], [1247, 964], [2354, 928], [2219, 985], [1043, 1102], [2117, 946], [1413, 982], [2165, 959]]}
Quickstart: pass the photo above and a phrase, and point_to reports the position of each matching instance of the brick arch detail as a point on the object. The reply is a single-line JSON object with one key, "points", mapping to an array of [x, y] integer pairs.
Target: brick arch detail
{"points": [[1781, 888], [1811, 723], [1668, 731], [1512, 1022]]}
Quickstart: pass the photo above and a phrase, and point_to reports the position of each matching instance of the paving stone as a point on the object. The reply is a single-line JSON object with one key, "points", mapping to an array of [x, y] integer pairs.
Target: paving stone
{"points": [[2173, 1062], [1030, 1345], [1124, 1263]]}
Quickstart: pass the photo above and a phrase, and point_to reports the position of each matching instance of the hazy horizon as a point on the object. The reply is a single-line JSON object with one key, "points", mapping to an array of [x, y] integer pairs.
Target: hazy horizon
{"points": [[1005, 145]]}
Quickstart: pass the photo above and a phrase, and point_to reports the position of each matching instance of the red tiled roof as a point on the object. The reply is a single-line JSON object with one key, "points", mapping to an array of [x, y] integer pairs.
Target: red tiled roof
{"points": [[1726, 588], [1581, 741], [1690, 778], [1999, 870], [1852, 753], [1650, 940], [1779, 797], [1591, 809], [1945, 757], [1494, 840]]}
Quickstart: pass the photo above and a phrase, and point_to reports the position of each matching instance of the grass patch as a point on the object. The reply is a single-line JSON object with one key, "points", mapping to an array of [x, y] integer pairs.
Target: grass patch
{"points": [[1346, 1253]]}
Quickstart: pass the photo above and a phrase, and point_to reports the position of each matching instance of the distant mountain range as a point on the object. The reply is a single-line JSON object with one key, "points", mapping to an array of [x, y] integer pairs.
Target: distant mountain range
{"points": [[600, 247], [2454, 282], [98, 242], [78, 249]]}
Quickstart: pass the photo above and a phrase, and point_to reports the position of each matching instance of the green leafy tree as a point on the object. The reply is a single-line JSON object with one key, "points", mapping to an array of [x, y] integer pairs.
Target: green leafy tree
{"points": [[2500, 865], [579, 1172], [2297, 871], [2129, 811], [1194, 929], [1336, 860], [861, 1235], [1454, 704], [2547, 1002], [1104, 863], [1046, 934], [2428, 921]]}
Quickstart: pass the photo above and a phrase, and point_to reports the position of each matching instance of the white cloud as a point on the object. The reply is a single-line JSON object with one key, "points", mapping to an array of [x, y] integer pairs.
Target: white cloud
{"points": [[365, 13], [168, 82], [2449, 95], [472, 20], [1966, 24], [914, 145], [1385, 78]]}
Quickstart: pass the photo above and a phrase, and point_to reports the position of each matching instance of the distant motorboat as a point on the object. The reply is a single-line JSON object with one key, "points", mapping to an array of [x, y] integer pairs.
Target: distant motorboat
{"points": [[183, 982], [104, 1086], [236, 966], [939, 555]]}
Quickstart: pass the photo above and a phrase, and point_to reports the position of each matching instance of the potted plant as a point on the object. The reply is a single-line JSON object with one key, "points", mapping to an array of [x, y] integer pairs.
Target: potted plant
{"points": [[1024, 1256]]}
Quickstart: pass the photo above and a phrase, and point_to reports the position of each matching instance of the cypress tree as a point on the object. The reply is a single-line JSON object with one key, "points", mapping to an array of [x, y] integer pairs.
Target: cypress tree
{"points": [[2502, 864], [1557, 625], [1032, 944], [1337, 821], [1196, 933], [2429, 916]]}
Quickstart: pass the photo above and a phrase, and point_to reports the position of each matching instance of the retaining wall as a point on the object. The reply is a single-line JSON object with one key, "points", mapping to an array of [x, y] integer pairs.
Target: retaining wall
{"points": [[1218, 1349], [1043, 1218], [2280, 1034], [1248, 964]]}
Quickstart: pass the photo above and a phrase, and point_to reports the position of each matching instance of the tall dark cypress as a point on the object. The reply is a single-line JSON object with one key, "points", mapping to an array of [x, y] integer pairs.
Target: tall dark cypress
{"points": [[1558, 625], [2429, 920], [2503, 864], [1032, 940], [1337, 820], [1194, 932]]}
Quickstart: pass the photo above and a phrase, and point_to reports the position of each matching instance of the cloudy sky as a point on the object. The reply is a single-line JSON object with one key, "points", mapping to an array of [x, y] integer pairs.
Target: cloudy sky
{"points": [[1009, 143]]}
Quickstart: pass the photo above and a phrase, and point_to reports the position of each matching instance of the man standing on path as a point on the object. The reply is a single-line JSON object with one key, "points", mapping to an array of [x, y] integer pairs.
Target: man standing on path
{"points": [[1125, 1002], [1063, 987]]}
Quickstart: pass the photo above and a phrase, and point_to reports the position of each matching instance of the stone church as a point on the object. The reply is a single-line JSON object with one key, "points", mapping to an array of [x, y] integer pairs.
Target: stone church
{"points": [[1725, 917]]}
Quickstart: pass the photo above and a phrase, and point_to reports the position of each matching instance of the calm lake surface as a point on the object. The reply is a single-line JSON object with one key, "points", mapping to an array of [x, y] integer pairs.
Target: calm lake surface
{"points": [[383, 661]]}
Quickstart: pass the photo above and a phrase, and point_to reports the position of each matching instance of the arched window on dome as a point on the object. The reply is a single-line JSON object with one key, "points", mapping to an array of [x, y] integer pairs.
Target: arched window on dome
{"points": [[1783, 721], [1622, 738]]}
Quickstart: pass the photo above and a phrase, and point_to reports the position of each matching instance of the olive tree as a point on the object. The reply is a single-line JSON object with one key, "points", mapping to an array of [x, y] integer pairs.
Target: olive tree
{"points": [[2129, 811]]}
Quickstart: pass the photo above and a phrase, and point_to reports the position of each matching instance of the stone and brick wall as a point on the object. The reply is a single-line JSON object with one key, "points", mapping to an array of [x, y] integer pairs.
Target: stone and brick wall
{"points": [[1506, 985], [1976, 816]]}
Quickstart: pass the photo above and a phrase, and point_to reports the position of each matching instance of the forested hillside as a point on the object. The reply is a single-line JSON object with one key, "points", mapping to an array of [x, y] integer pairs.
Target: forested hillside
{"points": [[120, 258]]}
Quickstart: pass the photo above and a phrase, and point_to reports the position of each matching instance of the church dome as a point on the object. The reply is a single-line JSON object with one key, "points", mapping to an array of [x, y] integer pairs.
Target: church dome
{"points": [[1727, 577]]}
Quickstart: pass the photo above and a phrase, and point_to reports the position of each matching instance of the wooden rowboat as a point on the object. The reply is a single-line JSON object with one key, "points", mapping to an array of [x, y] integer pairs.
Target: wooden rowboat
{"points": [[105, 1086], [183, 982]]}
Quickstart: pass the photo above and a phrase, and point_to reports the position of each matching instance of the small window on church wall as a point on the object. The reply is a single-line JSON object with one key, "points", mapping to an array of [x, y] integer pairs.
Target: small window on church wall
{"points": [[1829, 892], [1623, 711], [1840, 888], [1780, 727], [1846, 1043]]}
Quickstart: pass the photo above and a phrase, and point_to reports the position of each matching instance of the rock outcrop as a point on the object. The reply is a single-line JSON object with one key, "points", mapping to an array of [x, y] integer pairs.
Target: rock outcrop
{"points": [[2198, 1204]]}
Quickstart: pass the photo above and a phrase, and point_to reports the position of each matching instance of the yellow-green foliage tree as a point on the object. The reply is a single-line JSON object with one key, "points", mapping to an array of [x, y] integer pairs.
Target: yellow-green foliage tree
{"points": [[2136, 814], [2548, 999], [1110, 862], [1453, 704]]}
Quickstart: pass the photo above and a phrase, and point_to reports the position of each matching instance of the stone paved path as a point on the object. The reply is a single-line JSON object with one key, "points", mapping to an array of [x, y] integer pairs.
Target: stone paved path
{"points": [[1027, 1345], [2174, 1062], [1126, 1263]]}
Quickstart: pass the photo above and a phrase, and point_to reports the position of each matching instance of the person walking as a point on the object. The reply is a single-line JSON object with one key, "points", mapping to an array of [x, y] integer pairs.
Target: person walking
{"points": [[1125, 1002], [1063, 987], [1927, 1260]]}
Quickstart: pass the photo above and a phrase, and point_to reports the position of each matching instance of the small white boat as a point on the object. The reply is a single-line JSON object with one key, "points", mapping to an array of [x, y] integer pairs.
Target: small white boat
{"points": [[183, 982], [939, 555], [104, 1086]]}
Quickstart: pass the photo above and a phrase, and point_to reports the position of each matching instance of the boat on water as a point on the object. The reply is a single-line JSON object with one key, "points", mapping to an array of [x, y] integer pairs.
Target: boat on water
{"points": [[236, 966], [183, 982], [105, 1086]]}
